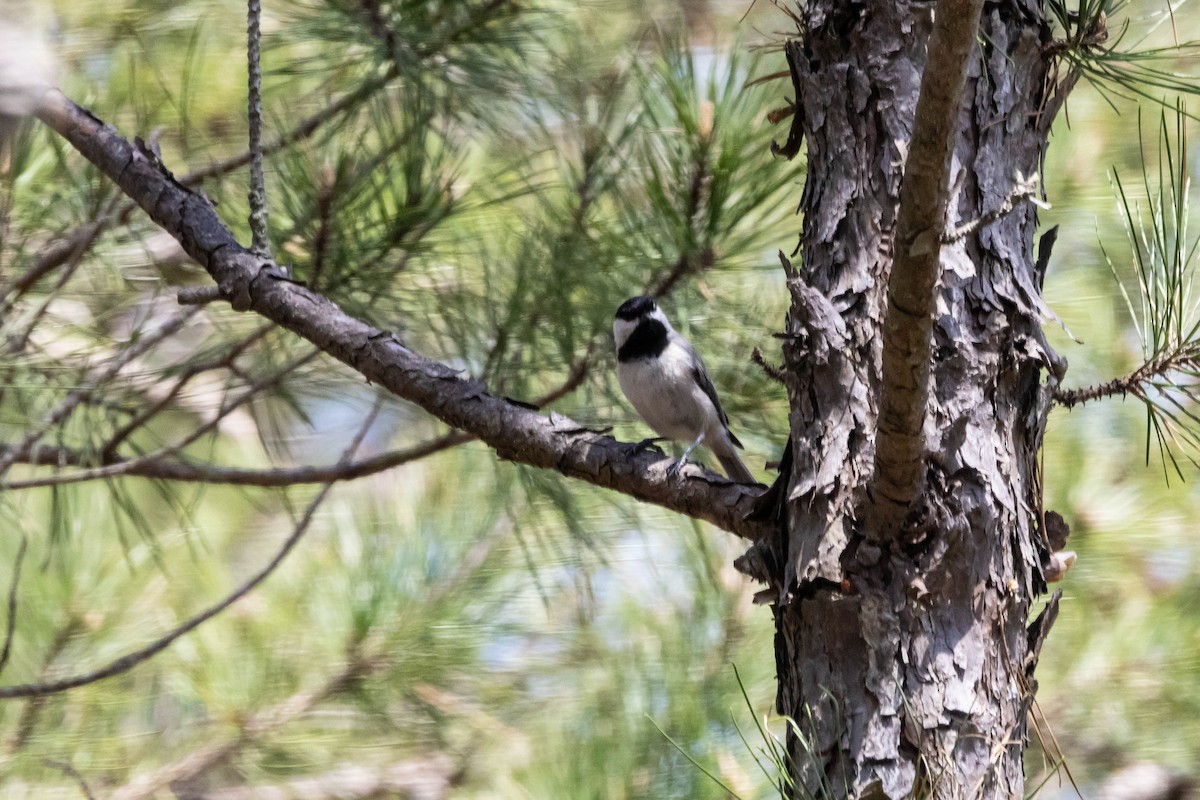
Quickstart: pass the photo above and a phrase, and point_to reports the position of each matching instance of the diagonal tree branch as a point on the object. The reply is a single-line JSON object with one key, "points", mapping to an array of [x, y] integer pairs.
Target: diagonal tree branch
{"points": [[514, 431], [924, 198]]}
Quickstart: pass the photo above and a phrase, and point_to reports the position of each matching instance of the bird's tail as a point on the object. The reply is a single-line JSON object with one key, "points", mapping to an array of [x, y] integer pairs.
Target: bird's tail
{"points": [[735, 470]]}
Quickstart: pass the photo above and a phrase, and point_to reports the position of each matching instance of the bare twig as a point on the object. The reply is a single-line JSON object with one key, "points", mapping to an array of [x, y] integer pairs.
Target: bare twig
{"points": [[320, 247], [227, 361], [18, 342], [70, 248], [198, 295], [11, 622], [1134, 383], [156, 466], [162, 469], [773, 371]]}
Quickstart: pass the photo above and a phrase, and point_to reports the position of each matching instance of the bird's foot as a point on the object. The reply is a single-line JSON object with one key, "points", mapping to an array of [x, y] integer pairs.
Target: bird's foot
{"points": [[676, 468], [646, 444]]}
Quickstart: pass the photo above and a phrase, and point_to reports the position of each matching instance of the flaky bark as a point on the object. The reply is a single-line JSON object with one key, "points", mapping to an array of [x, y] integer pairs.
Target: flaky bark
{"points": [[905, 659], [515, 431]]}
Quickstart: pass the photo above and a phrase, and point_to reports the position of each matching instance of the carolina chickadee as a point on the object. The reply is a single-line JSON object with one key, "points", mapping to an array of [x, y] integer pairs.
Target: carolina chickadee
{"points": [[663, 376]]}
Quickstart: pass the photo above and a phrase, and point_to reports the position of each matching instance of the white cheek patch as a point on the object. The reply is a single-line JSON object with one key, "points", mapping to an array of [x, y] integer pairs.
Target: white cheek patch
{"points": [[622, 328]]}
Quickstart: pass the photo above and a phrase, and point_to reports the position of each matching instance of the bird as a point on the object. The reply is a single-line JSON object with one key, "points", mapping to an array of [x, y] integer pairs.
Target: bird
{"points": [[664, 378]]}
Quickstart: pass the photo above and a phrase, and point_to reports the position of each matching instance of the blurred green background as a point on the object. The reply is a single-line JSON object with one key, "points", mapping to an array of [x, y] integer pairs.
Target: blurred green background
{"points": [[513, 634]]}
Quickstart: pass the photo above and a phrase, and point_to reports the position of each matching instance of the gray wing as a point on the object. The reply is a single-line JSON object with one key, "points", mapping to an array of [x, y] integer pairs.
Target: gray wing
{"points": [[701, 376]]}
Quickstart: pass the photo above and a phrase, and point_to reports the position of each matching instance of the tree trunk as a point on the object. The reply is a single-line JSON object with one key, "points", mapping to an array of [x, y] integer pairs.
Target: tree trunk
{"points": [[902, 651]]}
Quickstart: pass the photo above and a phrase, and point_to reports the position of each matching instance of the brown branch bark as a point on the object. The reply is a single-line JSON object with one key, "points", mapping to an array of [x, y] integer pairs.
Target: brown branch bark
{"points": [[1134, 383], [924, 197], [515, 432]]}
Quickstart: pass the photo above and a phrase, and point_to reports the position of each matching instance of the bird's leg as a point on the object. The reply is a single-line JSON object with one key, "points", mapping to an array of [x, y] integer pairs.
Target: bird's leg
{"points": [[678, 465]]}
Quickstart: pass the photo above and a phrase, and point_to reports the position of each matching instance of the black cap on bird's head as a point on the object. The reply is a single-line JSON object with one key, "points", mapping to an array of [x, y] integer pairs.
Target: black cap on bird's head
{"points": [[636, 307], [640, 329]]}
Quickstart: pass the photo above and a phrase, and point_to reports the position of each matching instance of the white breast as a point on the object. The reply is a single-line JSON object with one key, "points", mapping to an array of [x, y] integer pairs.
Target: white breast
{"points": [[664, 392]]}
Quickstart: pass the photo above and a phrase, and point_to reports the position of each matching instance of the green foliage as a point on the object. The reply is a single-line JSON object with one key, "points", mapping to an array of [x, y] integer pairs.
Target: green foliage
{"points": [[1134, 71], [1167, 319], [1117, 677], [490, 182]]}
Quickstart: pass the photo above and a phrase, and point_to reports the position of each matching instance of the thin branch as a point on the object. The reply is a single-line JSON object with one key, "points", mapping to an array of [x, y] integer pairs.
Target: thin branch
{"points": [[227, 361], [924, 198], [183, 472], [131, 660], [575, 376], [258, 191], [72, 773], [320, 248], [118, 467], [773, 371], [11, 622], [198, 295], [19, 341], [156, 467], [514, 431], [1134, 383], [69, 248], [304, 130]]}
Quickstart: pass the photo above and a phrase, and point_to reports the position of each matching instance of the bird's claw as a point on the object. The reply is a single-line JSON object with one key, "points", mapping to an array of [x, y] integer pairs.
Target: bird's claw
{"points": [[676, 468], [646, 444]]}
